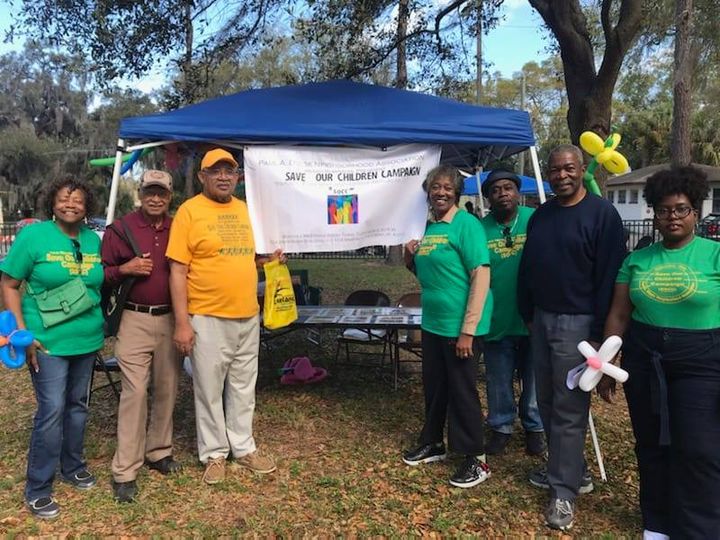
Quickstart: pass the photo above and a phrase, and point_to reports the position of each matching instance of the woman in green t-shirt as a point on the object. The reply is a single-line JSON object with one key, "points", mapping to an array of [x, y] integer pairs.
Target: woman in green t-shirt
{"points": [[666, 305], [48, 256], [452, 264]]}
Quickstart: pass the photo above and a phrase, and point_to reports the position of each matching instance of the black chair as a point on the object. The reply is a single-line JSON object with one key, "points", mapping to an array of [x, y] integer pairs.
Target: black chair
{"points": [[364, 336], [108, 366]]}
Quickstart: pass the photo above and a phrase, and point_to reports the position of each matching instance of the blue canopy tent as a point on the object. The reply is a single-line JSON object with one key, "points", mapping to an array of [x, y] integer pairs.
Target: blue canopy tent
{"points": [[528, 185], [337, 113]]}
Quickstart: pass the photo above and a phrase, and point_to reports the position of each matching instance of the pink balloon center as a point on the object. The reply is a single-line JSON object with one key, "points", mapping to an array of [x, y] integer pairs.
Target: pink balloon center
{"points": [[594, 362]]}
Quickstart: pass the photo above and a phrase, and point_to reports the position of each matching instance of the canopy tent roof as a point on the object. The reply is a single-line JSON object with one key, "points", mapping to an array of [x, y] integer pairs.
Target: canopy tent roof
{"points": [[528, 185], [343, 113]]}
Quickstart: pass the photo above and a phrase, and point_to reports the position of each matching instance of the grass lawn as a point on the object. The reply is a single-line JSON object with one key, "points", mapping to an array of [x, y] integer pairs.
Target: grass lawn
{"points": [[338, 448]]}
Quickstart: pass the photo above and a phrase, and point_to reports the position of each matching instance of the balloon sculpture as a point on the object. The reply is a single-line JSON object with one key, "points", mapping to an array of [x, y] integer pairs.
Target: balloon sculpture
{"points": [[128, 160], [604, 154], [13, 342], [597, 363]]}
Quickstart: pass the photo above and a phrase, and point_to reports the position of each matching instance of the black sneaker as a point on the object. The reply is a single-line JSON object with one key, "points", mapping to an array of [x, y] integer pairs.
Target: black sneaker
{"points": [[497, 443], [82, 480], [538, 478], [471, 472], [166, 465], [535, 443], [560, 514], [43, 507], [124, 491], [425, 453]]}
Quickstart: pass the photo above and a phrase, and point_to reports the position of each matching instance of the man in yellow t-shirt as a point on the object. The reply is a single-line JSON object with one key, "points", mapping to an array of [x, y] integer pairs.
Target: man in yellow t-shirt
{"points": [[213, 283]]}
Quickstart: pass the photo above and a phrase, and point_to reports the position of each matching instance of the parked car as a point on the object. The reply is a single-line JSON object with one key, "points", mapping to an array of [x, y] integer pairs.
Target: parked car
{"points": [[97, 224], [709, 226]]}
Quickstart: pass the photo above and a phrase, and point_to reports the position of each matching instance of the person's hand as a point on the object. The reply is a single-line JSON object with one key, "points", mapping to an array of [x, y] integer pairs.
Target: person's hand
{"points": [[137, 266], [184, 337], [463, 346], [279, 255], [410, 249], [606, 388], [31, 355]]}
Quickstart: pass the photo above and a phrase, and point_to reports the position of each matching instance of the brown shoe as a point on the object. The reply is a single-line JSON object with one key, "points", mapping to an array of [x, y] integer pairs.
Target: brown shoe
{"points": [[257, 463], [214, 471]]}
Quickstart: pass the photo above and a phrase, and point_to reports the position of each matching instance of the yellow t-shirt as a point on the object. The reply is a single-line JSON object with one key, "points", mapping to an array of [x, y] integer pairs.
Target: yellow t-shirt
{"points": [[216, 241]]}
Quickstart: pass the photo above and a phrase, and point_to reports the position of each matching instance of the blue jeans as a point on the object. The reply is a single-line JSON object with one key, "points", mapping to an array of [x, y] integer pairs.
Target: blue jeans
{"points": [[62, 391], [502, 358]]}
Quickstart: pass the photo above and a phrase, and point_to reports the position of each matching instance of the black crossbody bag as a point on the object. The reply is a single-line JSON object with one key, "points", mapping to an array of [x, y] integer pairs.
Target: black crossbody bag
{"points": [[114, 297]]}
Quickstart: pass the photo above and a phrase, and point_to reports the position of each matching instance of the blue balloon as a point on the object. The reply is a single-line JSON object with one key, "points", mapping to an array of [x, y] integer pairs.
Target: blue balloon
{"points": [[13, 353], [130, 162]]}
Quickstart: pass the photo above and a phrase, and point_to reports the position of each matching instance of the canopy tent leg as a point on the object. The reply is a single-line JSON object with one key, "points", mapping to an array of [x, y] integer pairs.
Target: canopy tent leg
{"points": [[115, 182], [538, 177], [481, 201]]}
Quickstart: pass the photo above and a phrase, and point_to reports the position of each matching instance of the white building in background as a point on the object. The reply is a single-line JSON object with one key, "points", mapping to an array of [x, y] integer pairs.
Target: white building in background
{"points": [[626, 192]]}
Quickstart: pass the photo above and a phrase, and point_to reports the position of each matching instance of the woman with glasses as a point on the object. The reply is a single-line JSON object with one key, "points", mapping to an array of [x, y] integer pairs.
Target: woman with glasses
{"points": [[666, 305], [59, 261], [452, 264]]}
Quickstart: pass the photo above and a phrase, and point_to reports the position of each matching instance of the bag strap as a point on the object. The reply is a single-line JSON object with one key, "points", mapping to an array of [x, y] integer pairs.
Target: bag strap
{"points": [[127, 236]]}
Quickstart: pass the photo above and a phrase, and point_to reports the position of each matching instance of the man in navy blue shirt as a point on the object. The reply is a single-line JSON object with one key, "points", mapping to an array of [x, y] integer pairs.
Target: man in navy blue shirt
{"points": [[572, 254]]}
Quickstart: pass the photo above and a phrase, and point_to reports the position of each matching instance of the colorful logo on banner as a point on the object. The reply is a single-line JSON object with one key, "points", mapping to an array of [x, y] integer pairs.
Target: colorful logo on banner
{"points": [[342, 209]]}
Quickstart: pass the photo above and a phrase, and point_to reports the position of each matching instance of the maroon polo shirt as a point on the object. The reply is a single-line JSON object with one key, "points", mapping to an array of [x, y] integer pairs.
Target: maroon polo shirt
{"points": [[153, 290]]}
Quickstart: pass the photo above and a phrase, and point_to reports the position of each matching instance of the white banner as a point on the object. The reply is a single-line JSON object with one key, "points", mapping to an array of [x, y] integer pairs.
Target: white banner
{"points": [[305, 199]]}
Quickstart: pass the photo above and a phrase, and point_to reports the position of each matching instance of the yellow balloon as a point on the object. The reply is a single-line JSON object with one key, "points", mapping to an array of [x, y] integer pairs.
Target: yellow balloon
{"points": [[615, 140], [604, 156], [591, 143], [617, 164]]}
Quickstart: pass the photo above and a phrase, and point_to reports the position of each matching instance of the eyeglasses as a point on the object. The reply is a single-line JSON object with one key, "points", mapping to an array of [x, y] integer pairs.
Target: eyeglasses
{"points": [[508, 239], [663, 212], [224, 171], [76, 251]]}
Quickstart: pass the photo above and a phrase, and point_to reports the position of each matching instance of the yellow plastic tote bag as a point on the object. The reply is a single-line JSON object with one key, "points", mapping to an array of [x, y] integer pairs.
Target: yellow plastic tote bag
{"points": [[280, 308]]}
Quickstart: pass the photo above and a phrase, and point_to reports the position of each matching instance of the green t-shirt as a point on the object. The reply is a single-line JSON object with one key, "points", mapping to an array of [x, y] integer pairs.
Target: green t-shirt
{"points": [[504, 266], [447, 254], [675, 288], [44, 256]]}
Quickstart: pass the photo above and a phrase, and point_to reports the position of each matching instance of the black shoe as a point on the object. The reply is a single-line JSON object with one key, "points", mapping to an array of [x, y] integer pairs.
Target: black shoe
{"points": [[166, 465], [538, 478], [82, 480], [124, 491], [426, 453], [497, 443], [535, 443], [471, 472], [43, 507]]}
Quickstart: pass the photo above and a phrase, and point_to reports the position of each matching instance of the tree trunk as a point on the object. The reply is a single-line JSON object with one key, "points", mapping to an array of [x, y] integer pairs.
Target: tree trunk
{"points": [[394, 256], [187, 94], [680, 145], [590, 91], [401, 78]]}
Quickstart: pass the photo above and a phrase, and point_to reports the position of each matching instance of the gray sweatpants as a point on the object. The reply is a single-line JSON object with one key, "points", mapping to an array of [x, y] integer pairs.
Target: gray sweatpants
{"points": [[564, 412]]}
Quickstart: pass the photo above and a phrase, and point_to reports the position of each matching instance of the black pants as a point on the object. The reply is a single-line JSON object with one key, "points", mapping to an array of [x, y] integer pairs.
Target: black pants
{"points": [[450, 385], [673, 395]]}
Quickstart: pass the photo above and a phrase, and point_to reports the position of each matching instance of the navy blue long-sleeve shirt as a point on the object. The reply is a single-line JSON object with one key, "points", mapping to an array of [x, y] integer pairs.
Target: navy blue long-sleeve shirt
{"points": [[571, 258]]}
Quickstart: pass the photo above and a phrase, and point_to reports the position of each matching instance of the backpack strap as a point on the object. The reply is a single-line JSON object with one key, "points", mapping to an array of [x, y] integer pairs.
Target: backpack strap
{"points": [[126, 235]]}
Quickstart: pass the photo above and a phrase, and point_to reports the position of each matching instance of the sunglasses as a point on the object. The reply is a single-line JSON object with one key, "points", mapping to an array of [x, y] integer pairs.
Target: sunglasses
{"points": [[76, 251], [508, 239]]}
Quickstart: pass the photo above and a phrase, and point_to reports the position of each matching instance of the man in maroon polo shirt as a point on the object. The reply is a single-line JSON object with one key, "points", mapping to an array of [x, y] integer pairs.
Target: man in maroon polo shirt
{"points": [[144, 346]]}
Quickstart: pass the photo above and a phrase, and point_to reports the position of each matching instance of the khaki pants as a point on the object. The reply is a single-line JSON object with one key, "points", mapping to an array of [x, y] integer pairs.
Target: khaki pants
{"points": [[145, 349], [225, 366]]}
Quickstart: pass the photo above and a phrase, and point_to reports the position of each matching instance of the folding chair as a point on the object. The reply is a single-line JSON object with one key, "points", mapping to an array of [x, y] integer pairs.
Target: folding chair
{"points": [[107, 366], [364, 336]]}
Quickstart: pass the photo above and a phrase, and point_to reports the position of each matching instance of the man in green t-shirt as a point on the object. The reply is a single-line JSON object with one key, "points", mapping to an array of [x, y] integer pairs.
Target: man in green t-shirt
{"points": [[507, 347]]}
